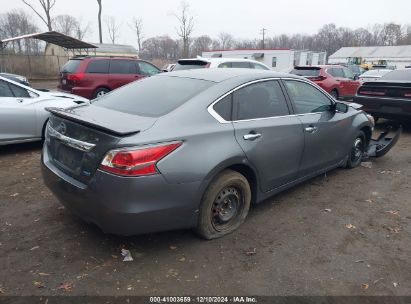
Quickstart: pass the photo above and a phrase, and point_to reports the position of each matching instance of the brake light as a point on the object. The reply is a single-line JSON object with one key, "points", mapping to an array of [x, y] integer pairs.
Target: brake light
{"points": [[318, 78], [407, 94], [372, 93], [137, 161], [75, 76]]}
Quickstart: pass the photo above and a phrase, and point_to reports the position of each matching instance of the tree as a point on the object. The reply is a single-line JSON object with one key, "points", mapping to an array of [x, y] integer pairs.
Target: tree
{"points": [[113, 28], [65, 24], [81, 30], [47, 6], [226, 40], [100, 32], [186, 26], [201, 44], [137, 26]]}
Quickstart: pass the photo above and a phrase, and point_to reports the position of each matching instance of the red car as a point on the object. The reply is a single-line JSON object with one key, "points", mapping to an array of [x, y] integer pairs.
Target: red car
{"points": [[92, 76], [337, 80]]}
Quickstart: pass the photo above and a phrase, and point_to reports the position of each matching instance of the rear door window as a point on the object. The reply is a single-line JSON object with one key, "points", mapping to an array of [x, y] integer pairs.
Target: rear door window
{"points": [[153, 96], [336, 72], [348, 74], [18, 91], [224, 107], [260, 100], [122, 66], [241, 65], [99, 66]]}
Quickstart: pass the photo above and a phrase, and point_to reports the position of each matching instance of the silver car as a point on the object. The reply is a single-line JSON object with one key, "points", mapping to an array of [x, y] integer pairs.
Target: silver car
{"points": [[194, 149], [22, 110]]}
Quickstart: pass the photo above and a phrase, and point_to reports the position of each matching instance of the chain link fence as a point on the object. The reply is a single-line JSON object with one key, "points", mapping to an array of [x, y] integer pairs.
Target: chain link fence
{"points": [[32, 66]]}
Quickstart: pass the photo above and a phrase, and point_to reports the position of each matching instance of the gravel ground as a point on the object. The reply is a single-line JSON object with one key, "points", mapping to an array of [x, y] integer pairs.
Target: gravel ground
{"points": [[344, 233]]}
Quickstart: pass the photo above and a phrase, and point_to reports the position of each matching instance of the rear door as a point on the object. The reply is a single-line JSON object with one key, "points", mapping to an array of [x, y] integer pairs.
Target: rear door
{"points": [[17, 114], [271, 138], [122, 71], [325, 130], [353, 83], [343, 84], [97, 73]]}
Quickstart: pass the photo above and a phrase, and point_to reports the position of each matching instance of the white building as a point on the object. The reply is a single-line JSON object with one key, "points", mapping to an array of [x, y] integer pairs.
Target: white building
{"points": [[398, 56], [282, 60]]}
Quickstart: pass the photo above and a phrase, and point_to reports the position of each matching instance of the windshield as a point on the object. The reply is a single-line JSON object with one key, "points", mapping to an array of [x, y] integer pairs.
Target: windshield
{"points": [[154, 96], [399, 75]]}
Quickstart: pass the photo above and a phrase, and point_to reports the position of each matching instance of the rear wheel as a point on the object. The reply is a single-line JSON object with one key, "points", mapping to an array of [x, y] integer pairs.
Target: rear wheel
{"points": [[357, 150], [224, 206], [334, 93], [100, 92]]}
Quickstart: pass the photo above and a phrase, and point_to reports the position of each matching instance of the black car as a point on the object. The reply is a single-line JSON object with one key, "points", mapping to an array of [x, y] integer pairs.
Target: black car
{"points": [[389, 97], [16, 78]]}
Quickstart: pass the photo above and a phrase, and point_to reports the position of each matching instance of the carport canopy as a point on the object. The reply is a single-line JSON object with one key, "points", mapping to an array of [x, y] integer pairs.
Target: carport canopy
{"points": [[64, 41]]}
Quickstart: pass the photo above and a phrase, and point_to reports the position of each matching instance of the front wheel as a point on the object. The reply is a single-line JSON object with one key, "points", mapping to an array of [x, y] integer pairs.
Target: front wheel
{"points": [[358, 149], [224, 206], [334, 94]]}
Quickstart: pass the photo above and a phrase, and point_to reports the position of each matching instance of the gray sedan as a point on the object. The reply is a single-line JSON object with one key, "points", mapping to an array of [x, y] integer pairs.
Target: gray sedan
{"points": [[194, 149], [22, 110]]}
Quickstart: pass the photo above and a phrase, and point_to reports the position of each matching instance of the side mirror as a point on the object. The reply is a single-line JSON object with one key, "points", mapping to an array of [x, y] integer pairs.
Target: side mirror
{"points": [[356, 77], [341, 107]]}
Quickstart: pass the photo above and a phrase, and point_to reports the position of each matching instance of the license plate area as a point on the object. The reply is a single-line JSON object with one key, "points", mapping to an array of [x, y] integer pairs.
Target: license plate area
{"points": [[68, 158]]}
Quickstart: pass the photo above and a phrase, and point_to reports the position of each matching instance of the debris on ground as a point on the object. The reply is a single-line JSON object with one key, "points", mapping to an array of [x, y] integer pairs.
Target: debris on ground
{"points": [[393, 212], [366, 165], [43, 274], [38, 284], [395, 284], [126, 255], [182, 259], [365, 286], [376, 281], [2, 291], [327, 210], [359, 261], [350, 226], [34, 248], [173, 247], [14, 195], [67, 286], [251, 252]]}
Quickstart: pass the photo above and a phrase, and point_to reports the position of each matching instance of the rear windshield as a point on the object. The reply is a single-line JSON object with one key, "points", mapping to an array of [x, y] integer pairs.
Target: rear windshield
{"points": [[399, 75], [154, 96], [190, 65], [306, 72], [70, 66]]}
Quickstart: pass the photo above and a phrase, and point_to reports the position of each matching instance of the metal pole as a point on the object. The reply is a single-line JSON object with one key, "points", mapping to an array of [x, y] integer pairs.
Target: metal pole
{"points": [[263, 30]]}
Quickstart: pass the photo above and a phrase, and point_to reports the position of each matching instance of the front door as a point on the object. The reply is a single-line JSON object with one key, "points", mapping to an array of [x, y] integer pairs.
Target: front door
{"points": [[325, 130], [271, 138]]}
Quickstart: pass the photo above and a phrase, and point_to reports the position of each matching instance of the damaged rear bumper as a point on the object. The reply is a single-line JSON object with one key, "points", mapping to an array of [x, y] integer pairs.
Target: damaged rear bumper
{"points": [[385, 141]]}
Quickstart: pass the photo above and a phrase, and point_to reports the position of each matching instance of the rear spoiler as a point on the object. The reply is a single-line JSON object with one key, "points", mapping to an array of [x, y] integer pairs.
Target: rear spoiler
{"points": [[65, 113]]}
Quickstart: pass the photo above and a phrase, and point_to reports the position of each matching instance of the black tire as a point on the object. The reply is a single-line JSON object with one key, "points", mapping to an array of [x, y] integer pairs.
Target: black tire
{"points": [[224, 206], [357, 151], [334, 93], [100, 92], [43, 130]]}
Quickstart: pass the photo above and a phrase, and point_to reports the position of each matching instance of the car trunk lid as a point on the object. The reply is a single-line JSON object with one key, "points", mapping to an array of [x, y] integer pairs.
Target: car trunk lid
{"points": [[77, 139]]}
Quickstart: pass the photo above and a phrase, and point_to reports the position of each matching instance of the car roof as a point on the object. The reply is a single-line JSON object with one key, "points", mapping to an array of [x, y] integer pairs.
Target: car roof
{"points": [[219, 75], [321, 66]]}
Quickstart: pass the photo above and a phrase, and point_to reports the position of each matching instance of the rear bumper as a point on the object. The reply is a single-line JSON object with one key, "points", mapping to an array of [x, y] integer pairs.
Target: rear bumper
{"points": [[385, 107], [83, 92], [123, 205]]}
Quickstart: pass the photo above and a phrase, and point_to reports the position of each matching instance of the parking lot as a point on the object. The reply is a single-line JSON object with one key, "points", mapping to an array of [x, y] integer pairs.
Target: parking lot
{"points": [[344, 233]]}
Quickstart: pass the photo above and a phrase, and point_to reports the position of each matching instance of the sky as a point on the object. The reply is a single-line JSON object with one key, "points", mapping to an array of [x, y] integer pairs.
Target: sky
{"points": [[241, 18]]}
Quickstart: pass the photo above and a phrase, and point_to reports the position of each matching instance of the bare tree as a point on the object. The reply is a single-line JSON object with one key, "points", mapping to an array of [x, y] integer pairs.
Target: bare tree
{"points": [[100, 32], [81, 29], [47, 6], [137, 26], [65, 24], [113, 28], [226, 40], [186, 26]]}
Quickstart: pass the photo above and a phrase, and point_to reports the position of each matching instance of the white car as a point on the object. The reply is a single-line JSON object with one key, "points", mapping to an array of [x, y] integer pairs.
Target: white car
{"points": [[212, 63], [23, 116], [373, 75]]}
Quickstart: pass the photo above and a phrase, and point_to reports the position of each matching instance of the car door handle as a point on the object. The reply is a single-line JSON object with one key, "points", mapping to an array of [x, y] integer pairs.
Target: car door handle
{"points": [[252, 136], [311, 129]]}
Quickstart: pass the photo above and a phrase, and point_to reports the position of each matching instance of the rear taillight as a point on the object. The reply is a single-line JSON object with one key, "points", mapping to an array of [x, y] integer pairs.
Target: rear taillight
{"points": [[318, 78], [407, 94], [137, 161], [75, 76], [372, 92]]}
